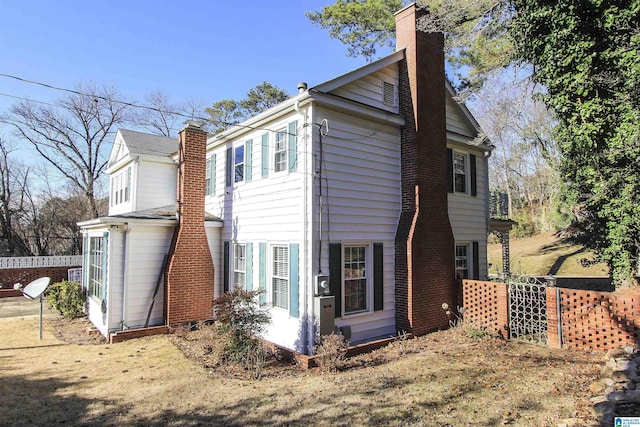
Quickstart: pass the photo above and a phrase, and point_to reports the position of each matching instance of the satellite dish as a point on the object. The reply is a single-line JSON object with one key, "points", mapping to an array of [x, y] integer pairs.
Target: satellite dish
{"points": [[36, 288]]}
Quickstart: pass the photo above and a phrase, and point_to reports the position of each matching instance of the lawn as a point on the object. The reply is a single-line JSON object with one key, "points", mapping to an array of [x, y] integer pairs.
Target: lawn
{"points": [[448, 378], [545, 254]]}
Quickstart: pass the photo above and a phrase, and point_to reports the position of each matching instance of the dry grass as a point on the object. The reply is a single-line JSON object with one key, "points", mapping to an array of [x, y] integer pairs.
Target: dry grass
{"points": [[545, 254], [445, 378]]}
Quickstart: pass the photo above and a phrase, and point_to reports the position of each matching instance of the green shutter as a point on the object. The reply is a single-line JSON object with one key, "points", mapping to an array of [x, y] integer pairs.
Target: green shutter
{"points": [[248, 160], [449, 170], [249, 270], [293, 145], [262, 271], [335, 275], [265, 155], [472, 171], [229, 167], [476, 261], [294, 281], [378, 277], [225, 262]]}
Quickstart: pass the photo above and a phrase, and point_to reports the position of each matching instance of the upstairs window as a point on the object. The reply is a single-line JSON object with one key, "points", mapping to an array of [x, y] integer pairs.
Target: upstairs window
{"points": [[238, 163], [280, 156], [210, 171], [459, 172], [120, 187]]}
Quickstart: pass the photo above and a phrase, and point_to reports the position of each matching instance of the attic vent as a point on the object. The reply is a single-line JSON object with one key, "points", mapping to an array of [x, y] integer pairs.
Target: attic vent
{"points": [[389, 94]]}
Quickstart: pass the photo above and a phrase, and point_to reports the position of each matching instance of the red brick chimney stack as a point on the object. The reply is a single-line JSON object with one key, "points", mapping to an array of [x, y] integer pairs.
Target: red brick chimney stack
{"points": [[190, 273], [424, 240]]}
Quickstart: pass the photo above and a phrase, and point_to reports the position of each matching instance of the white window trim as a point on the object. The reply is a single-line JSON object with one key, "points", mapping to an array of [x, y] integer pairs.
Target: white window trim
{"points": [[93, 267], [121, 187], [467, 179], [236, 245], [210, 180], [284, 131], [368, 257], [469, 257], [243, 163], [271, 276]]}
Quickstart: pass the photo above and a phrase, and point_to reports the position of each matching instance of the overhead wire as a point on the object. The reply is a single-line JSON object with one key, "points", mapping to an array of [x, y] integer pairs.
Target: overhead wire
{"points": [[126, 103]]}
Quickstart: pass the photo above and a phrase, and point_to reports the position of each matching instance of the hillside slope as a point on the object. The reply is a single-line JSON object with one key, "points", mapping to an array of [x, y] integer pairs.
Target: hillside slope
{"points": [[545, 254]]}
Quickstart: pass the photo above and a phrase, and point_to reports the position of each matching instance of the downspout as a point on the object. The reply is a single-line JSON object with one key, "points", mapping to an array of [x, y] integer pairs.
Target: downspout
{"points": [[125, 271], [487, 155]]}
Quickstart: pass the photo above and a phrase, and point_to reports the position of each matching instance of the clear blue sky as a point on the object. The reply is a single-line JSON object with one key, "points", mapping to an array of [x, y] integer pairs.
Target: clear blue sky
{"points": [[208, 50]]}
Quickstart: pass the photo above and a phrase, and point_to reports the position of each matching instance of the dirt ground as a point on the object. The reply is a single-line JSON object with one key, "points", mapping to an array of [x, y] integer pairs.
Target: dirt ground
{"points": [[449, 378]]}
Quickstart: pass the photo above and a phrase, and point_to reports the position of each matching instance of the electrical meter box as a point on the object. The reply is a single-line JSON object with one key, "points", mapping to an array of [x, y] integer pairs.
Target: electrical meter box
{"points": [[321, 285], [324, 311]]}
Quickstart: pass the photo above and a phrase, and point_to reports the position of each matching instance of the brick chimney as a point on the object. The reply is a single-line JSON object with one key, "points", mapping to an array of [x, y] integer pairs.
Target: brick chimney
{"points": [[190, 272], [424, 239]]}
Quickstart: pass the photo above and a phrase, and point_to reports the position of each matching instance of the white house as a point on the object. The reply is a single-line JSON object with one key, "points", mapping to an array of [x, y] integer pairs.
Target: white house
{"points": [[370, 183]]}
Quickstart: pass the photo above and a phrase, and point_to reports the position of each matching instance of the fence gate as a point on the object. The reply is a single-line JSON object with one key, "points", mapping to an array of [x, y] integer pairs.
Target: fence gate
{"points": [[527, 309]]}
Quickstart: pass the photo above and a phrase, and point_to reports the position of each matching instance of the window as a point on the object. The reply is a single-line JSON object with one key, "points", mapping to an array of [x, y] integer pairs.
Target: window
{"points": [[238, 162], [210, 182], [239, 265], [280, 276], [462, 261], [96, 265], [355, 279], [120, 187], [280, 159], [459, 172]]}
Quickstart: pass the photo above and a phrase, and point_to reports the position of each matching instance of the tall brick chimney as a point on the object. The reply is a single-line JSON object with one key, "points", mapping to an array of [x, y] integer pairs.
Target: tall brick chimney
{"points": [[190, 272], [424, 239]]}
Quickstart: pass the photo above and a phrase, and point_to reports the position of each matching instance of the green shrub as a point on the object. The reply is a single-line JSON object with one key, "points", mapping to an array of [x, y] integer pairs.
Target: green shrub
{"points": [[239, 319], [68, 298]]}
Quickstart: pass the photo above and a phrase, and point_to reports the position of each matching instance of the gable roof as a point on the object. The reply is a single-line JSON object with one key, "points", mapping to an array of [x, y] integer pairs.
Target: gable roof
{"points": [[143, 143]]}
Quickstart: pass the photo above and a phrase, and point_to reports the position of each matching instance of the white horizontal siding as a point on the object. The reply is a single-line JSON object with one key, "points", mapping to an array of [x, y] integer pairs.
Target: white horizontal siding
{"points": [[114, 280], [368, 89], [147, 246], [155, 185], [361, 185], [264, 209], [468, 215], [456, 121]]}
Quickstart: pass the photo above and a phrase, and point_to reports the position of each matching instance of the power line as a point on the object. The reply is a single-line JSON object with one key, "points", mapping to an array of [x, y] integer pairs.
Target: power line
{"points": [[126, 103]]}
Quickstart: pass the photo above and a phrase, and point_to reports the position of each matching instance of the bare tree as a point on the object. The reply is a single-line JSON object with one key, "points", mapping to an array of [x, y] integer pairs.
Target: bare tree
{"points": [[524, 163], [13, 183], [74, 135], [160, 116]]}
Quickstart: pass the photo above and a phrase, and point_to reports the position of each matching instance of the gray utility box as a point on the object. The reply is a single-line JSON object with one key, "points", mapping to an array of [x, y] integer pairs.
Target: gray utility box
{"points": [[324, 311]]}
